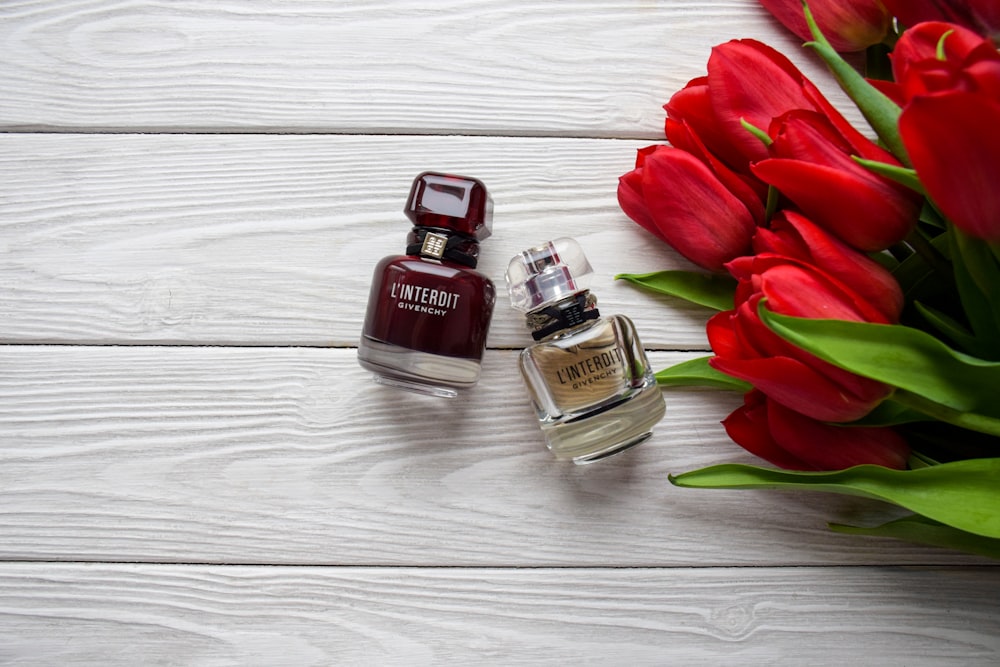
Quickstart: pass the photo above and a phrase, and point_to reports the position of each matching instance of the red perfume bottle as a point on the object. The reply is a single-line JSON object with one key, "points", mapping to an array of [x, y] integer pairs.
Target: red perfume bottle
{"points": [[428, 310]]}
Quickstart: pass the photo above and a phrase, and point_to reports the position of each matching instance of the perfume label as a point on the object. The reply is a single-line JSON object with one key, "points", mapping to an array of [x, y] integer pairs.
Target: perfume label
{"points": [[602, 366], [424, 300], [429, 307], [582, 370]]}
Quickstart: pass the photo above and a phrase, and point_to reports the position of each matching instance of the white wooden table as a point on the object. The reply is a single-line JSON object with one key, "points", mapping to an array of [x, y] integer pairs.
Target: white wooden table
{"points": [[195, 470]]}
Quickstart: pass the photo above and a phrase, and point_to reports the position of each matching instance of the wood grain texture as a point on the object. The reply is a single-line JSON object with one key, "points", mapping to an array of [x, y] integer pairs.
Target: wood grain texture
{"points": [[271, 240], [168, 615], [581, 68], [290, 455], [195, 470]]}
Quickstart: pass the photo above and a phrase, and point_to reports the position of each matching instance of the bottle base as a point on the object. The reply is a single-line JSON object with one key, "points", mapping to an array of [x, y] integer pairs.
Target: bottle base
{"points": [[421, 372], [617, 448], [418, 387], [621, 427]]}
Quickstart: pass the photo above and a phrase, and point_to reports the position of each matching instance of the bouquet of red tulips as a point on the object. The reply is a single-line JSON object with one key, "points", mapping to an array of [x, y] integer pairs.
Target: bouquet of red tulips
{"points": [[857, 279]]}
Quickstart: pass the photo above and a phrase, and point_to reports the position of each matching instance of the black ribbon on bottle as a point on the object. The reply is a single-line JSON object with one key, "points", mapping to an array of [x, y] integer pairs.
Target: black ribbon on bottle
{"points": [[459, 249], [567, 313]]}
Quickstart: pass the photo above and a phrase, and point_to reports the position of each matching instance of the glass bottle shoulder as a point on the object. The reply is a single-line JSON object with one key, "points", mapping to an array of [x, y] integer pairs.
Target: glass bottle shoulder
{"points": [[603, 330], [609, 340], [432, 269]]}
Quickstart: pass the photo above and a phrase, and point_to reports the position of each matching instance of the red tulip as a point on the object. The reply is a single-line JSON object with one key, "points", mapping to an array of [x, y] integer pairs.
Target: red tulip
{"points": [[849, 25], [746, 349], [792, 235], [953, 143], [982, 16], [811, 165], [749, 189], [630, 193], [970, 63], [792, 440], [689, 112], [678, 198], [750, 81]]}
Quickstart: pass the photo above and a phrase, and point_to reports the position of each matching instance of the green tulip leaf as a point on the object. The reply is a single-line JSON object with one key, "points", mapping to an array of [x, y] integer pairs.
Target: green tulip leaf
{"points": [[953, 329], [921, 530], [890, 413], [880, 111], [932, 217], [977, 275], [900, 356], [969, 420], [697, 373], [705, 289], [901, 175], [961, 494], [925, 274]]}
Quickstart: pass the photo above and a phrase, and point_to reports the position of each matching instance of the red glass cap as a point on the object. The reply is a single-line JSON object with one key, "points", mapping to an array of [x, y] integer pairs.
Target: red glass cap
{"points": [[457, 203]]}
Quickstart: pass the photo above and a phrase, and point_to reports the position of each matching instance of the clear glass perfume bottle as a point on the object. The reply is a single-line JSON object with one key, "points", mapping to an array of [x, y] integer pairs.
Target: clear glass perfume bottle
{"points": [[428, 311], [588, 376]]}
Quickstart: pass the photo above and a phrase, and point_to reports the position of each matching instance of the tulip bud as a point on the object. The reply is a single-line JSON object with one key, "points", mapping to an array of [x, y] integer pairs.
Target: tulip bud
{"points": [[849, 25], [811, 165], [953, 143], [677, 197], [791, 440], [981, 16], [747, 349]]}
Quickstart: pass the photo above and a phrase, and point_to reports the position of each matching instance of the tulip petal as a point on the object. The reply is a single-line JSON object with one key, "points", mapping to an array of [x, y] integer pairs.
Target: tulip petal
{"points": [[953, 143], [830, 447], [737, 73], [983, 16], [797, 386], [921, 43], [693, 211], [632, 202], [690, 111], [849, 25], [906, 358], [748, 189], [748, 428], [793, 235], [867, 211], [799, 292]]}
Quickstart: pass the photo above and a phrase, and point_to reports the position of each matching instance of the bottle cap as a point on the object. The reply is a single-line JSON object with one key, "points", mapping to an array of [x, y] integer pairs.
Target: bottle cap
{"points": [[548, 273], [458, 203]]}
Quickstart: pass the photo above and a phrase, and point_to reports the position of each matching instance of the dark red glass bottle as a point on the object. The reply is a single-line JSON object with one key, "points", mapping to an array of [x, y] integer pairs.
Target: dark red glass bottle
{"points": [[428, 311]]}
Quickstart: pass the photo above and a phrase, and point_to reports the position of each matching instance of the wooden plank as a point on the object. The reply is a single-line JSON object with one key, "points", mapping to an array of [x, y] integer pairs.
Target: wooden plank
{"points": [[292, 455], [469, 66], [252, 240], [121, 614]]}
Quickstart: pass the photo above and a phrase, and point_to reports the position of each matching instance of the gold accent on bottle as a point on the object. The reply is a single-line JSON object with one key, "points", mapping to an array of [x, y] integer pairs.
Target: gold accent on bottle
{"points": [[434, 245]]}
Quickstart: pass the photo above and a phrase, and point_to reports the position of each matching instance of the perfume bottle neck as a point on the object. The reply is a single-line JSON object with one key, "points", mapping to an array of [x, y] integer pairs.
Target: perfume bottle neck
{"points": [[442, 244], [566, 314]]}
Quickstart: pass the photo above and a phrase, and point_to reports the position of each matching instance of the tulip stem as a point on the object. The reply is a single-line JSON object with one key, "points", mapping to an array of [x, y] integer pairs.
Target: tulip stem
{"points": [[772, 202], [969, 420], [877, 64], [880, 112], [934, 258]]}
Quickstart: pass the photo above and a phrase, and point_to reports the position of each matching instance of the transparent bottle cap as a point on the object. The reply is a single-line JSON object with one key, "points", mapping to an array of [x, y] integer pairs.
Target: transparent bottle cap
{"points": [[548, 273]]}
